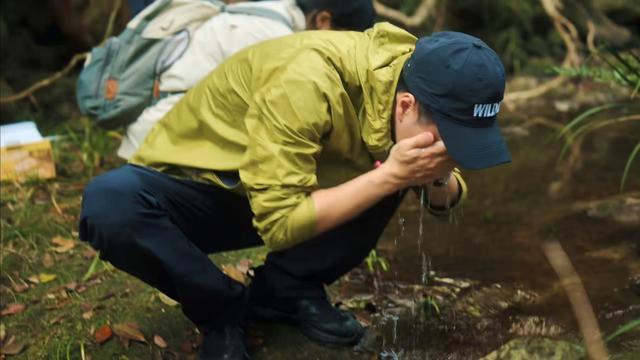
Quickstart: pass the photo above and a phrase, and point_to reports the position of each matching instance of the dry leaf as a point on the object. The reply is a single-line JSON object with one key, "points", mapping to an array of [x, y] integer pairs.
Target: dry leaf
{"points": [[57, 319], [12, 309], [87, 315], [33, 279], [89, 254], [47, 261], [12, 347], [158, 340], [20, 288], [167, 300], [244, 265], [64, 244], [103, 334], [128, 332], [71, 286], [45, 278], [234, 273], [3, 332]]}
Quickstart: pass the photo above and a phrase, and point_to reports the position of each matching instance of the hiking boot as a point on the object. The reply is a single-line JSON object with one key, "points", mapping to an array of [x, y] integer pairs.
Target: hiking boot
{"points": [[227, 344], [316, 318]]}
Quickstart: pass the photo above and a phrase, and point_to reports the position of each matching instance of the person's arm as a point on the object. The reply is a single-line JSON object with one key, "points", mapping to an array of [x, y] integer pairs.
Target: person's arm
{"points": [[413, 161]]}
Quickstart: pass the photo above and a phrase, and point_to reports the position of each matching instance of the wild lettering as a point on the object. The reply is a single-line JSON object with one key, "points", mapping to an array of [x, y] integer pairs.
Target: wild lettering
{"points": [[486, 110]]}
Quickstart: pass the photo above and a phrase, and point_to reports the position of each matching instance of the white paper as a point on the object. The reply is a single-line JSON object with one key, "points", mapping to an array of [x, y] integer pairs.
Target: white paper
{"points": [[19, 133]]}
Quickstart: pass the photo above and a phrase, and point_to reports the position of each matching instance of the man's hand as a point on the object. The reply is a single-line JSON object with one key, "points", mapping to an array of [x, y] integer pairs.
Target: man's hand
{"points": [[417, 160]]}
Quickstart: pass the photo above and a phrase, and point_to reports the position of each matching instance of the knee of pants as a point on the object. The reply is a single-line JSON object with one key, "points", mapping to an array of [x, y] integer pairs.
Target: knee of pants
{"points": [[109, 210]]}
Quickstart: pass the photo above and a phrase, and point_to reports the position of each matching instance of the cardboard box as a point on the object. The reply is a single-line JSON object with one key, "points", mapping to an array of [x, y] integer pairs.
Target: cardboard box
{"points": [[24, 153]]}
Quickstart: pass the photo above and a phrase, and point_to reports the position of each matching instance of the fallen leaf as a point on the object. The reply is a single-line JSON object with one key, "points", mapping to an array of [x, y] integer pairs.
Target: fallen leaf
{"points": [[129, 332], [87, 315], [12, 309], [81, 289], [244, 265], [89, 254], [64, 244], [234, 273], [45, 278], [158, 340], [47, 260], [167, 300], [86, 306], [33, 279], [95, 281], [3, 332], [20, 288], [58, 305], [12, 347], [71, 286], [103, 334], [56, 320]]}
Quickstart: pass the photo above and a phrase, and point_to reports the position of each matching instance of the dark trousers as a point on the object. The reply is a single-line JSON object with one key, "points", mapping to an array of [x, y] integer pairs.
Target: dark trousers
{"points": [[160, 229]]}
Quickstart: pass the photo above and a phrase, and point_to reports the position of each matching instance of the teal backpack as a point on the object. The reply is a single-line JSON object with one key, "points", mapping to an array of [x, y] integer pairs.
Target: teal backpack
{"points": [[121, 77]]}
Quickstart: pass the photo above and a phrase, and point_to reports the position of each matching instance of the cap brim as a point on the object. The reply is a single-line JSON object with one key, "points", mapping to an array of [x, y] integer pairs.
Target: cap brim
{"points": [[473, 148]]}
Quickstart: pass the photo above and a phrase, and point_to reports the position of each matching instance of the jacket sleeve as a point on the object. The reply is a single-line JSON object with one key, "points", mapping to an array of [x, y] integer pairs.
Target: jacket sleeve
{"points": [[285, 125]]}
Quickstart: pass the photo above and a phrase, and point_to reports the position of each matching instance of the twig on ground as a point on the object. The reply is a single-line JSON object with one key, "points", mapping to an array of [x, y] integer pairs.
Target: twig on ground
{"points": [[578, 298]]}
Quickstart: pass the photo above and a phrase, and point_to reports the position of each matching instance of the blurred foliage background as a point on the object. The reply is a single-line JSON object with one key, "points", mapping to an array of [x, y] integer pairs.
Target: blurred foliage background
{"points": [[39, 37]]}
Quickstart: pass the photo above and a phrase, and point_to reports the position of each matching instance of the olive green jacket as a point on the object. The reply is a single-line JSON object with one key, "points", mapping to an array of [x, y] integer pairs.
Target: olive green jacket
{"points": [[290, 115]]}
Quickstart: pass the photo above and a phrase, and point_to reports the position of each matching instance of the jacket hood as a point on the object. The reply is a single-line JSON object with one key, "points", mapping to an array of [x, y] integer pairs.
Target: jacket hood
{"points": [[379, 63]]}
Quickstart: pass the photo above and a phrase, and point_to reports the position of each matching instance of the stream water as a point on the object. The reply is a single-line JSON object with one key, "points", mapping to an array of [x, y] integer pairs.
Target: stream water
{"points": [[507, 217], [494, 243]]}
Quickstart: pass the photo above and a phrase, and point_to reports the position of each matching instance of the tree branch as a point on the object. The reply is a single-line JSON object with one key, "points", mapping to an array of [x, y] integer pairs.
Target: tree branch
{"points": [[28, 93], [569, 35], [418, 18]]}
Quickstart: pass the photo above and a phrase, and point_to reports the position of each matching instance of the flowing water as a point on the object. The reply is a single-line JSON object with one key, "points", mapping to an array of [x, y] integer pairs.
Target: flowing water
{"points": [[506, 218], [494, 245]]}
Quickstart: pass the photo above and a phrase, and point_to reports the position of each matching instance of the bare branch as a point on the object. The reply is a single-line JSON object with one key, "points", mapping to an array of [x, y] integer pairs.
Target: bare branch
{"points": [[28, 93], [418, 18], [44, 82], [569, 35]]}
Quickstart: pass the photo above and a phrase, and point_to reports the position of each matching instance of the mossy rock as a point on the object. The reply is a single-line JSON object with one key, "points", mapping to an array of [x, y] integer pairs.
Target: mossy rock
{"points": [[528, 348]]}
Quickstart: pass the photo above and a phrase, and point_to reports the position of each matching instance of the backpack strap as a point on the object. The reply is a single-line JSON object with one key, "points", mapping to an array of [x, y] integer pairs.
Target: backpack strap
{"points": [[258, 11]]}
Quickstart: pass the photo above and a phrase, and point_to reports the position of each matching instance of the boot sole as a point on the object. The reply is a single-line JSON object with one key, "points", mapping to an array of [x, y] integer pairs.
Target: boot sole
{"points": [[271, 315]]}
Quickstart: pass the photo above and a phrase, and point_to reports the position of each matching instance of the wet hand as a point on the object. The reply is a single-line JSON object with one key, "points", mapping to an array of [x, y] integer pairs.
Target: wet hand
{"points": [[417, 160]]}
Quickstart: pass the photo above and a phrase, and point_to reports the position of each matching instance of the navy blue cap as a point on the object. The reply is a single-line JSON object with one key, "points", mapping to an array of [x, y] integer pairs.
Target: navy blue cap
{"points": [[460, 79]]}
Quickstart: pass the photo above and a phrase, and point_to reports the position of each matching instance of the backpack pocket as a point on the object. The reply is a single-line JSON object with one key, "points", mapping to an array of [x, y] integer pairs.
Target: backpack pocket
{"points": [[92, 82]]}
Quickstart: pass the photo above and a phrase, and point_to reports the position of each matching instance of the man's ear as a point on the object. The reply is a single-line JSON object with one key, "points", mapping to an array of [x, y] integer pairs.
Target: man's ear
{"points": [[323, 20], [405, 103]]}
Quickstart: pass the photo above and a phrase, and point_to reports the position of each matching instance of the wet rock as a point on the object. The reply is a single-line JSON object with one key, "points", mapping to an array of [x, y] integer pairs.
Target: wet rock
{"points": [[458, 283], [536, 349], [562, 105], [613, 253], [492, 300], [625, 210], [535, 326], [515, 131]]}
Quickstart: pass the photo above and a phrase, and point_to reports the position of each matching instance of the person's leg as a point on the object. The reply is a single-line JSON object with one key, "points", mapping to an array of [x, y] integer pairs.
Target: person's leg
{"points": [[290, 285], [301, 271], [160, 229]]}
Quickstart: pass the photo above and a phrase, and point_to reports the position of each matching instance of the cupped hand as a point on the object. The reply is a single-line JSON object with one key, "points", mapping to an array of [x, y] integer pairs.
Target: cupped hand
{"points": [[417, 160]]}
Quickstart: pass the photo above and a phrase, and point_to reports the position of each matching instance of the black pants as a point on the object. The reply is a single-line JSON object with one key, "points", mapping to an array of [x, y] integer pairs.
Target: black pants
{"points": [[160, 229]]}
